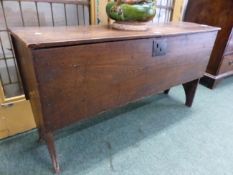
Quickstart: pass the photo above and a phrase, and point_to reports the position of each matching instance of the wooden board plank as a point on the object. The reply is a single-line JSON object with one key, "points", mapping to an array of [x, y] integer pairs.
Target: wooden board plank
{"points": [[97, 77], [42, 37]]}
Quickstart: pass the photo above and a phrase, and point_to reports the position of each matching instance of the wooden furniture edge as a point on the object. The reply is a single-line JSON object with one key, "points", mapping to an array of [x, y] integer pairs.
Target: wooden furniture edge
{"points": [[211, 81], [107, 38]]}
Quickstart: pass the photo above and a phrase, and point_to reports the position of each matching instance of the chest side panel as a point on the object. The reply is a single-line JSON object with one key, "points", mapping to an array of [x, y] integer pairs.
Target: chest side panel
{"points": [[28, 77], [80, 81]]}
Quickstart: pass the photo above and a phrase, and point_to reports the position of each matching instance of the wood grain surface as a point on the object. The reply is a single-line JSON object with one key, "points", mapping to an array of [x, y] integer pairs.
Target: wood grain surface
{"points": [[216, 13], [42, 37], [92, 78]]}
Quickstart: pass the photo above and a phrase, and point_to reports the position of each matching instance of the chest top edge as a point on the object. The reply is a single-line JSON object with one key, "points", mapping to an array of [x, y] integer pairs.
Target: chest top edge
{"points": [[45, 37]]}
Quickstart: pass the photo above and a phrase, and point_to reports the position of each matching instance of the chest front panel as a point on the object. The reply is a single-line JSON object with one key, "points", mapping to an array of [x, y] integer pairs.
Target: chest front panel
{"points": [[76, 82]]}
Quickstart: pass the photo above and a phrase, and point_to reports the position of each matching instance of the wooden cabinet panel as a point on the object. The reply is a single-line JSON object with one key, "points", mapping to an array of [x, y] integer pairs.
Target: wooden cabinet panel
{"points": [[216, 13], [10, 115]]}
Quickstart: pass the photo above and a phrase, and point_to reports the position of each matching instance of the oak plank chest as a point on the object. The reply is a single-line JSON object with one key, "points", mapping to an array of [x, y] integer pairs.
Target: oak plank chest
{"points": [[73, 73]]}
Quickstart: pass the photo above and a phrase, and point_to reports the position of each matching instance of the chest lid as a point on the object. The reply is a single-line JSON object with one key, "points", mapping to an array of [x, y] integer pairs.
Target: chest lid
{"points": [[45, 37]]}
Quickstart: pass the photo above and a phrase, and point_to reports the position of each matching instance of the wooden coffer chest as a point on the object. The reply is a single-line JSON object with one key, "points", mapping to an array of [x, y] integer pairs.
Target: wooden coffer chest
{"points": [[73, 73], [216, 13]]}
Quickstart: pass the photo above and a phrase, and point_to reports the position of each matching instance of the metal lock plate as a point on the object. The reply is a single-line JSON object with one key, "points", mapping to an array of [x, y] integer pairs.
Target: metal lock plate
{"points": [[159, 47]]}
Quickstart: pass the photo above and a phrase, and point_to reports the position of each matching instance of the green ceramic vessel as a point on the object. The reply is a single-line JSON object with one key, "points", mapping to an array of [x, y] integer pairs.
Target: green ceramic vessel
{"points": [[140, 11]]}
